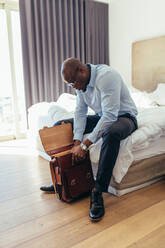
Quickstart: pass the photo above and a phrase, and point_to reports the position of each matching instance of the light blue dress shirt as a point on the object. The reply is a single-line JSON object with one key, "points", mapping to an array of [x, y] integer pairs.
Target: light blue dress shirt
{"points": [[108, 96]]}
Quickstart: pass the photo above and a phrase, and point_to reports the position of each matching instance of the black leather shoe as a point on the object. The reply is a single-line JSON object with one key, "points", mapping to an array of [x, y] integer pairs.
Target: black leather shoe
{"points": [[96, 206], [48, 189]]}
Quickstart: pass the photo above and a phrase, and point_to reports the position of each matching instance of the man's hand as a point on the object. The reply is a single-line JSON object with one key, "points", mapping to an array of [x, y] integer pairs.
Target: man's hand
{"points": [[77, 154], [77, 142]]}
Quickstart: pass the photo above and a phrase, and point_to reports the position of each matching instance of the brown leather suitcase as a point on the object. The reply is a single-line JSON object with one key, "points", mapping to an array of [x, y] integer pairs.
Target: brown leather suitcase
{"points": [[70, 181]]}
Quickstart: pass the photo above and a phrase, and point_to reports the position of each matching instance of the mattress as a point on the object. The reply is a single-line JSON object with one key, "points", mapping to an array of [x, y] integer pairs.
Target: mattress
{"points": [[120, 192], [147, 168], [140, 173]]}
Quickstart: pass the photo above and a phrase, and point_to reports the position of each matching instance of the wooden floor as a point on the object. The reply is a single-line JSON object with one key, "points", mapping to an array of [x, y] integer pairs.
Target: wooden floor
{"points": [[31, 219]]}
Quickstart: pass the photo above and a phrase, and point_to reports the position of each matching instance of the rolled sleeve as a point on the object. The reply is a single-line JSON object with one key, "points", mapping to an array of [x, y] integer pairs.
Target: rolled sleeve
{"points": [[80, 117]]}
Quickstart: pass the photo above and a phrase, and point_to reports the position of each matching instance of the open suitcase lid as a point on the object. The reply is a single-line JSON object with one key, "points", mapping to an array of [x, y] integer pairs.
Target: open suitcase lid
{"points": [[57, 139]]}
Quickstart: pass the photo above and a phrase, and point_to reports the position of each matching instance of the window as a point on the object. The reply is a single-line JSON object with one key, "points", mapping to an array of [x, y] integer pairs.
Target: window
{"points": [[12, 100]]}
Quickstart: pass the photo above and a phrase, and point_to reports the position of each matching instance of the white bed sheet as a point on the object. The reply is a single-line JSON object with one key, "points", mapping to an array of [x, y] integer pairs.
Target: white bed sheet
{"points": [[143, 143], [155, 148]]}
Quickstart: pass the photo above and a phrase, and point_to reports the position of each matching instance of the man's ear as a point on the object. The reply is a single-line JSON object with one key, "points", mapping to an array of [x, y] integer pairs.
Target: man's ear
{"points": [[81, 69]]}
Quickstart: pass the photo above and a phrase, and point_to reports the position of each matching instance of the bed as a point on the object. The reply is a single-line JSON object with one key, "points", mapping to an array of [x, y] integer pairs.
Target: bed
{"points": [[148, 75], [141, 159]]}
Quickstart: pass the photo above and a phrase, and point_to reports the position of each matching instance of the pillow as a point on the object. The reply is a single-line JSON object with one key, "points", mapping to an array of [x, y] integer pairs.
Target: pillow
{"points": [[142, 100], [55, 108], [67, 101], [58, 112], [132, 89], [39, 107], [158, 96]]}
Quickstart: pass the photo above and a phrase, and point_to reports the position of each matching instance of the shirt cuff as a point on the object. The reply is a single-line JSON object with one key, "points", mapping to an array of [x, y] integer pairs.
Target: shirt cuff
{"points": [[78, 136], [92, 137]]}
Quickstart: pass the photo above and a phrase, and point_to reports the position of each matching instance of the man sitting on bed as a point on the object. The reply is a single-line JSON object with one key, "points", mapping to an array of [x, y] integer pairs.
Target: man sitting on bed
{"points": [[102, 89]]}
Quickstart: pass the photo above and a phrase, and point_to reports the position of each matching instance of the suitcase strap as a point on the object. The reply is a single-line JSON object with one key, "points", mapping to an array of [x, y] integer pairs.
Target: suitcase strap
{"points": [[55, 175], [58, 175]]}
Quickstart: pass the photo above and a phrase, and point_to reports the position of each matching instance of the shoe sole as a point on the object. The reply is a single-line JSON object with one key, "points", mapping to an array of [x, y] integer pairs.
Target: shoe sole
{"points": [[48, 192], [95, 220]]}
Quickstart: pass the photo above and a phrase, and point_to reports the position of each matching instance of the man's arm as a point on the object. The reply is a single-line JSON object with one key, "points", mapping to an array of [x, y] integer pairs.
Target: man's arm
{"points": [[80, 117], [79, 127], [110, 102]]}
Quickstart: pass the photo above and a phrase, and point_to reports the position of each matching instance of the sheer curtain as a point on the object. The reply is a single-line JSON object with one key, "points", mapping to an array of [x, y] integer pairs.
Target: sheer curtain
{"points": [[54, 30]]}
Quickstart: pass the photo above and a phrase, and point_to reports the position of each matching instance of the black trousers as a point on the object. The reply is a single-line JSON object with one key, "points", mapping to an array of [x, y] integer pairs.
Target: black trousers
{"points": [[119, 130]]}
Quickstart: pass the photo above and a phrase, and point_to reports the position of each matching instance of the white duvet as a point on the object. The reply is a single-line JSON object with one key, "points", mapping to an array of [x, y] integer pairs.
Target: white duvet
{"points": [[151, 122]]}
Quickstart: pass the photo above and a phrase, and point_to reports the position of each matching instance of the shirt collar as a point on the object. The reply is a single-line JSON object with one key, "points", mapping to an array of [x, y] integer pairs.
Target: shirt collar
{"points": [[93, 75]]}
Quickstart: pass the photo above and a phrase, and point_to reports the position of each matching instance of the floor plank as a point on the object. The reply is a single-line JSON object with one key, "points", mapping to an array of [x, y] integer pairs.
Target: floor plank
{"points": [[80, 228], [29, 218], [154, 239], [129, 230]]}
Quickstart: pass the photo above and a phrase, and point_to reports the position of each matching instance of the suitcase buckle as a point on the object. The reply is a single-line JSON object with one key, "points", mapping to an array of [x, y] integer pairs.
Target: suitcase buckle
{"points": [[73, 182], [88, 175]]}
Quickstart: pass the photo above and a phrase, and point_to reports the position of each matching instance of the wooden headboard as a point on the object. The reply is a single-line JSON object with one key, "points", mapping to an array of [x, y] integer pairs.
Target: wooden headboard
{"points": [[148, 63]]}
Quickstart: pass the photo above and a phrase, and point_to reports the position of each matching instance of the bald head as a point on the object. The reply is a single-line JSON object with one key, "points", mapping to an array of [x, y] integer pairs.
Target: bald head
{"points": [[75, 72], [69, 67]]}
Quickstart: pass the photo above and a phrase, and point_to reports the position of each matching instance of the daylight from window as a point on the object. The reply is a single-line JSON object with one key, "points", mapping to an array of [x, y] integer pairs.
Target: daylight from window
{"points": [[6, 110], [11, 95]]}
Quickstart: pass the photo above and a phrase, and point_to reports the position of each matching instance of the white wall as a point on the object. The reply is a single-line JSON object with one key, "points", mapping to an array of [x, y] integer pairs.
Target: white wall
{"points": [[130, 21]]}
